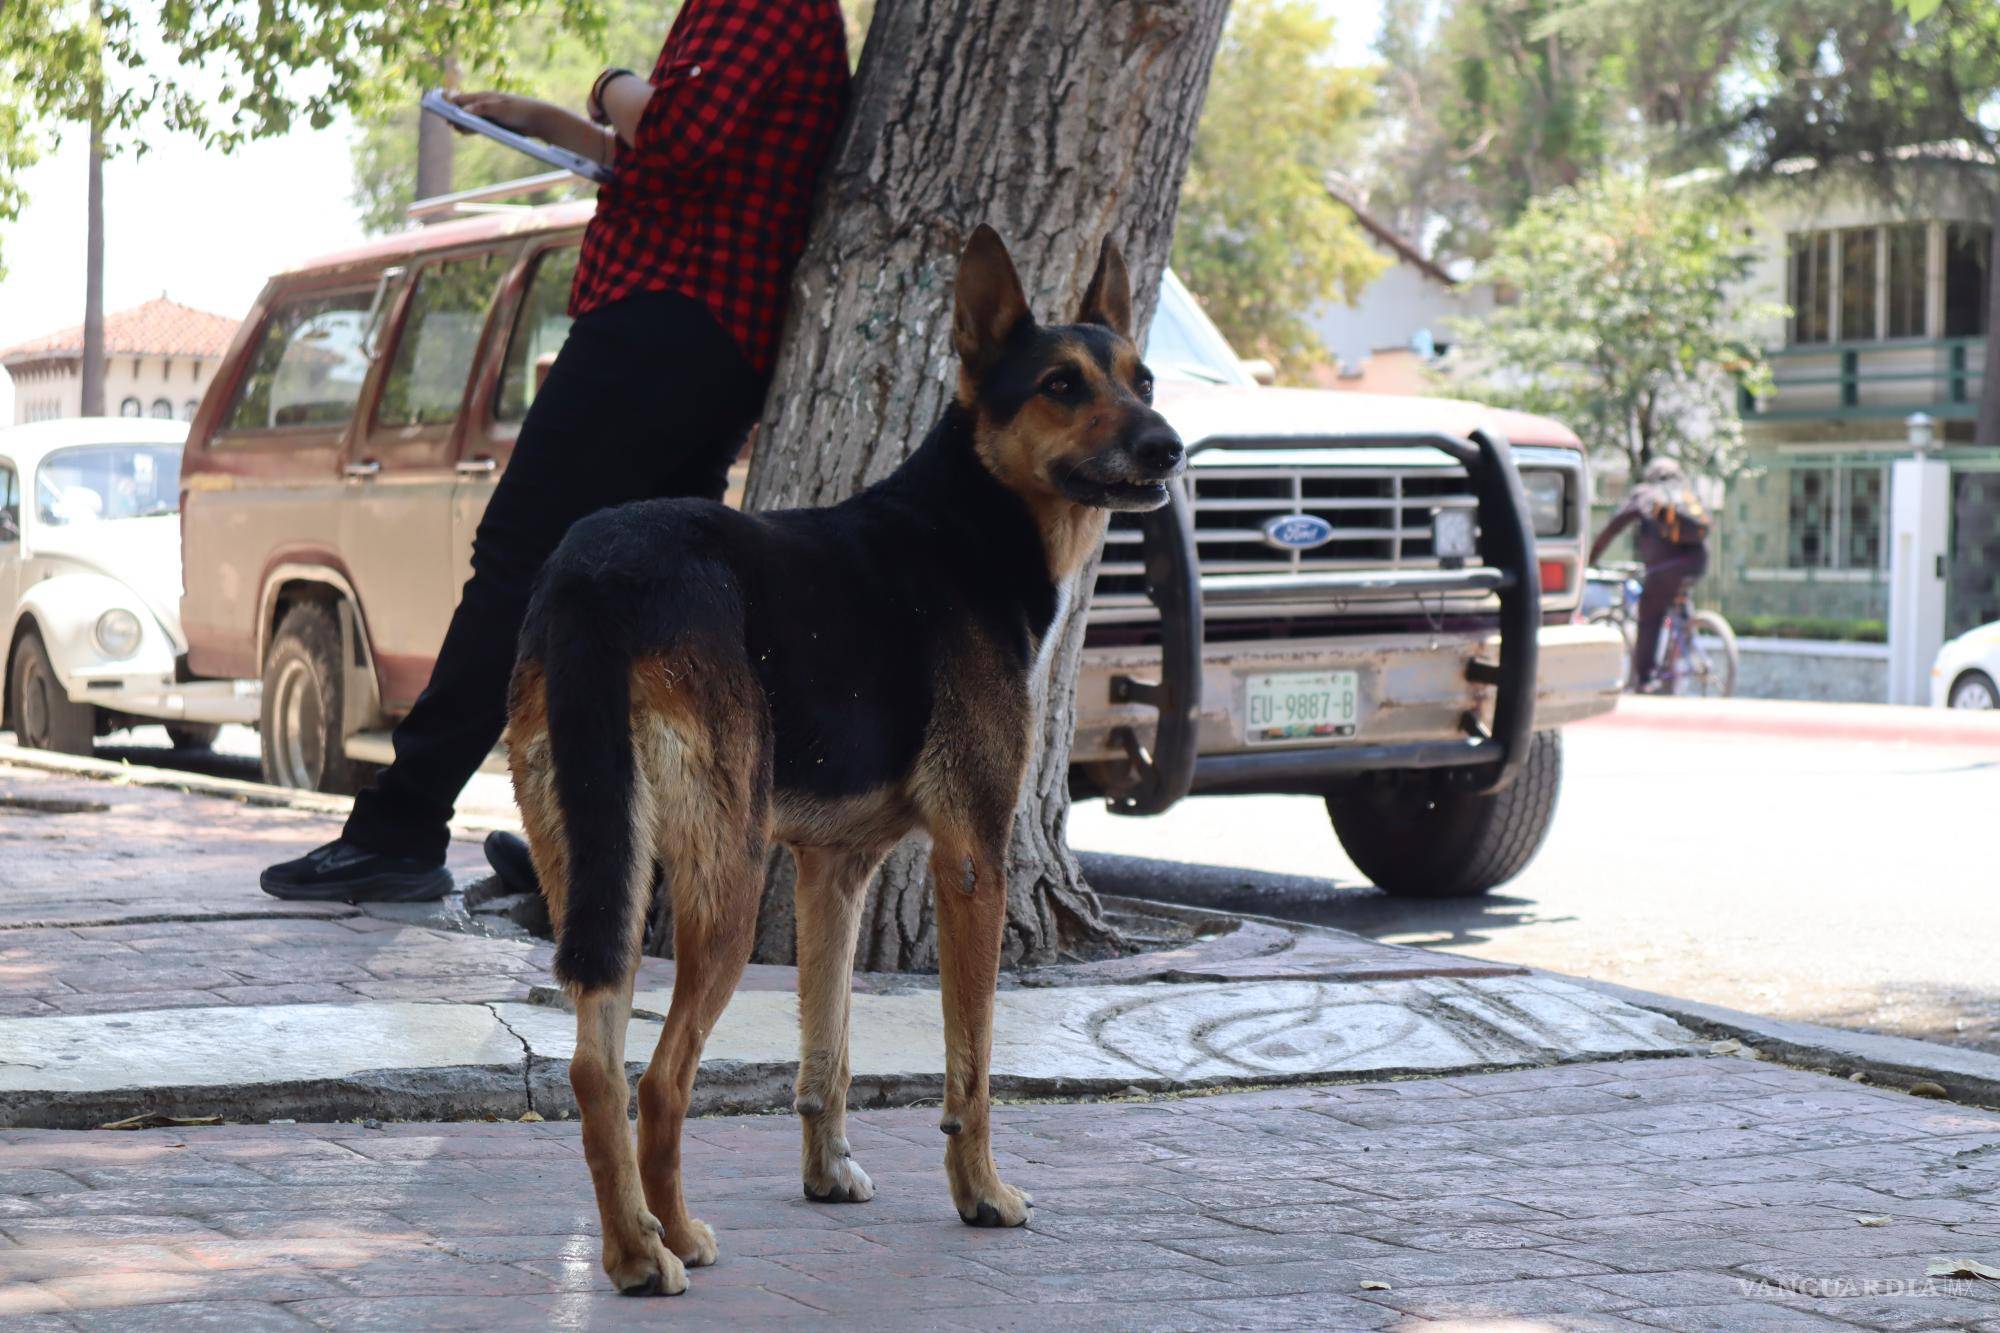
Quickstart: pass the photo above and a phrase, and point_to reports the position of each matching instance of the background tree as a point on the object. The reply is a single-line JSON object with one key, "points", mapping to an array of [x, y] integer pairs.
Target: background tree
{"points": [[543, 57], [967, 111], [222, 70], [1260, 238], [1622, 324]]}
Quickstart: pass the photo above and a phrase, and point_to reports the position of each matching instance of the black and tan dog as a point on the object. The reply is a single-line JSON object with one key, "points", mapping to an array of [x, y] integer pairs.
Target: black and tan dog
{"points": [[695, 682]]}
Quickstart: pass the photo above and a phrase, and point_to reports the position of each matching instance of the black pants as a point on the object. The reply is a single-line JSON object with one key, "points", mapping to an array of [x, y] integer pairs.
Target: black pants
{"points": [[1664, 581], [648, 397]]}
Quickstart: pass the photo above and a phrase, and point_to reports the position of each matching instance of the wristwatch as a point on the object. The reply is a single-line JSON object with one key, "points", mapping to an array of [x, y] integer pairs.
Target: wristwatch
{"points": [[594, 104]]}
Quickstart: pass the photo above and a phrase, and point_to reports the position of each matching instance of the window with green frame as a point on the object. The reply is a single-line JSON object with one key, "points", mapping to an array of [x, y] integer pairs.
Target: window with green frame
{"points": [[1834, 516]]}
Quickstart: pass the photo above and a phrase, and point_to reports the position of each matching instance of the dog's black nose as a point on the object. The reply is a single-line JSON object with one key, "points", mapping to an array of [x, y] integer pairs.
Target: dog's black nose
{"points": [[1158, 449]]}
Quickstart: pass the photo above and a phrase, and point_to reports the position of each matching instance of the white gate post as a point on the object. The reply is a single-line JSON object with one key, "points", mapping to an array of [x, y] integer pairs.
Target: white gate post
{"points": [[1919, 527]]}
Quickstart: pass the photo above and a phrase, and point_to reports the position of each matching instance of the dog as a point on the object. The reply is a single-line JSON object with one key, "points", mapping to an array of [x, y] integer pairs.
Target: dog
{"points": [[695, 682]]}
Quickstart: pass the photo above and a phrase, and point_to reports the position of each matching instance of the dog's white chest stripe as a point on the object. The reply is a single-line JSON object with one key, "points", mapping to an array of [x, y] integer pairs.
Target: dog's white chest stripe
{"points": [[1064, 592]]}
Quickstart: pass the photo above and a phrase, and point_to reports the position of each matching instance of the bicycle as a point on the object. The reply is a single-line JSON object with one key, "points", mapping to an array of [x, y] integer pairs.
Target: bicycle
{"points": [[1698, 653]]}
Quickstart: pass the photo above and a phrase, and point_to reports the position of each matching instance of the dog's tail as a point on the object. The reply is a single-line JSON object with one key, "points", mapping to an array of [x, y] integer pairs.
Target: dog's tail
{"points": [[586, 661]]}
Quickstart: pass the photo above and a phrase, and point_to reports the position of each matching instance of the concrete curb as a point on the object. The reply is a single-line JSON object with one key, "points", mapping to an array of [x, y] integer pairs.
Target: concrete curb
{"points": [[1968, 1076], [463, 827], [1880, 723]]}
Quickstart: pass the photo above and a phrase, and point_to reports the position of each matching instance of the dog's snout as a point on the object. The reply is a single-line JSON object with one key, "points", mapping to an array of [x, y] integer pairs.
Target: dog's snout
{"points": [[1158, 449]]}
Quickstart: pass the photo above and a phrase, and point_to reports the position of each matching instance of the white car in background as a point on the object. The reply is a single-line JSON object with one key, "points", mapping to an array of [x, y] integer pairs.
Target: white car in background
{"points": [[1967, 671], [90, 581]]}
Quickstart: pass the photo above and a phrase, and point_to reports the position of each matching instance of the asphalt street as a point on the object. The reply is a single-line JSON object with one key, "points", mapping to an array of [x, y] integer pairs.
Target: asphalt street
{"points": [[1830, 881], [1825, 881]]}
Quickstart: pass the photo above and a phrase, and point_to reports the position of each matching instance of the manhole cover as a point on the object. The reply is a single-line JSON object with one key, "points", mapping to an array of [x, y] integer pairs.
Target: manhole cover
{"points": [[50, 805]]}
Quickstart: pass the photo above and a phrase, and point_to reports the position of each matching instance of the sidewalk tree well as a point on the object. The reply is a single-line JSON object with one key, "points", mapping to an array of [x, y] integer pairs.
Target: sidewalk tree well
{"points": [[224, 71], [969, 111]]}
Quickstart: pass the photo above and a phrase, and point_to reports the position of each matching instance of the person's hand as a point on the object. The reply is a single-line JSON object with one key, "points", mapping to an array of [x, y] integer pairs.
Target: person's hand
{"points": [[508, 110]]}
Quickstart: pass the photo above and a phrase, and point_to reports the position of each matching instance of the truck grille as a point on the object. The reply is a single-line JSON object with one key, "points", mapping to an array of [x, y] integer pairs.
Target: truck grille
{"points": [[1381, 519]]}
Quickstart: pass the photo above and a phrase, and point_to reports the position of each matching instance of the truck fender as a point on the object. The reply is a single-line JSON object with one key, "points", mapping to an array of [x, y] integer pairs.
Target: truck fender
{"points": [[361, 690]]}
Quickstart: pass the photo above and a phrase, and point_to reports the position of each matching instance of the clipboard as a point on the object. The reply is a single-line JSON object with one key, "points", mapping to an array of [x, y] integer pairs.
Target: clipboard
{"points": [[563, 159]]}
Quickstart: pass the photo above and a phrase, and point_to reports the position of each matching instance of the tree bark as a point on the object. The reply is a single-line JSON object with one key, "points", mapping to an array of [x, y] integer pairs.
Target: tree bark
{"points": [[968, 111], [436, 147], [1986, 430], [93, 266]]}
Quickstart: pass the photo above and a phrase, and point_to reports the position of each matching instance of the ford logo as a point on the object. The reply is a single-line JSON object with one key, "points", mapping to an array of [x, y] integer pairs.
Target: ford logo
{"points": [[1297, 532]]}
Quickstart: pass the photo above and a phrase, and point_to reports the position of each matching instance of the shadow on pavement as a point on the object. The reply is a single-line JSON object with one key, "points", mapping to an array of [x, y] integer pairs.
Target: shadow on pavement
{"points": [[1353, 906], [208, 763]]}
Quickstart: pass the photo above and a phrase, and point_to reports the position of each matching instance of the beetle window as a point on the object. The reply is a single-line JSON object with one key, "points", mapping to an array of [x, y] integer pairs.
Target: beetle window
{"points": [[439, 340], [91, 482], [539, 330], [308, 366]]}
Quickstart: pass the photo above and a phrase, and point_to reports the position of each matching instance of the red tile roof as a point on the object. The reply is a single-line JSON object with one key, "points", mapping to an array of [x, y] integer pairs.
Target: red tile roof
{"points": [[157, 328]]}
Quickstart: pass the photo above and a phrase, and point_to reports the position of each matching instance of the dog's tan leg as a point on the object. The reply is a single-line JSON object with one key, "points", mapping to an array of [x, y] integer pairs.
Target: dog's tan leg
{"points": [[709, 955], [639, 1264], [832, 882], [969, 885]]}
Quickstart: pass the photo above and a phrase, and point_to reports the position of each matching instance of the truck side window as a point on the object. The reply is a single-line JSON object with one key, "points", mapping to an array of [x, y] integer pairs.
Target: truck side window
{"points": [[440, 337], [539, 330], [308, 366], [10, 506]]}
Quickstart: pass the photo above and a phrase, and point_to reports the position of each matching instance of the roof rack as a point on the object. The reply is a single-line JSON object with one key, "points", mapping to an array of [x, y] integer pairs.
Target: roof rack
{"points": [[486, 198]]}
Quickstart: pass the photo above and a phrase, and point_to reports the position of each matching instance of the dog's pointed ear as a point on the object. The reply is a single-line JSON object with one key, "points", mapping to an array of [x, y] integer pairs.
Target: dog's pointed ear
{"points": [[1108, 299], [988, 304]]}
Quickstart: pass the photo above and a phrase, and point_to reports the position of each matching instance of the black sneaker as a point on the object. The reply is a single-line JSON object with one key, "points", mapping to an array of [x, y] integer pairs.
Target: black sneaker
{"points": [[508, 854], [340, 872]]}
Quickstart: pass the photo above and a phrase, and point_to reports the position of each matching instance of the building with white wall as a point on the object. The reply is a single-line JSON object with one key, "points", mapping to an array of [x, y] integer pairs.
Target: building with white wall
{"points": [[1385, 341], [158, 360]]}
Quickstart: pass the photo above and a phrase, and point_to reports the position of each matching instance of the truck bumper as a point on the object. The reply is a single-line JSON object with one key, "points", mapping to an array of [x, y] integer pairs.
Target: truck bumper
{"points": [[1417, 694]]}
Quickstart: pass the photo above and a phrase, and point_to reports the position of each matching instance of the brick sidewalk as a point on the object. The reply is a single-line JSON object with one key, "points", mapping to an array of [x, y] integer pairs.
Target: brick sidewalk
{"points": [[1681, 1193]]}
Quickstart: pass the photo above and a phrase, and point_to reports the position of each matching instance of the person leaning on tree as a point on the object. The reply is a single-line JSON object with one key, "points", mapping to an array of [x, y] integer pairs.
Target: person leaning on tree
{"points": [[1672, 543], [679, 302]]}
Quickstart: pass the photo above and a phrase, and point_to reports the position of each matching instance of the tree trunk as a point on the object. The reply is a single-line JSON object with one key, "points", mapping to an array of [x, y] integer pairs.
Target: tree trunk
{"points": [[93, 268], [436, 147], [1986, 431], [968, 111]]}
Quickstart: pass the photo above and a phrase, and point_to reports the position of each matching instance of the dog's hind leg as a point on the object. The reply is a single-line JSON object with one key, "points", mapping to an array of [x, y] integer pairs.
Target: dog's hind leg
{"points": [[832, 882], [969, 884], [633, 1253], [708, 752]]}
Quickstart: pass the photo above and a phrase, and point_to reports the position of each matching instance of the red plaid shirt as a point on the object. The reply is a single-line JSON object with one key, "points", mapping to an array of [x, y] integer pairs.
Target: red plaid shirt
{"points": [[713, 196]]}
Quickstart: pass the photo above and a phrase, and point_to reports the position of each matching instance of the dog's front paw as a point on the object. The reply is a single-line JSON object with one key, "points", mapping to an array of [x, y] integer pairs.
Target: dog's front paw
{"points": [[838, 1179], [639, 1263], [998, 1204]]}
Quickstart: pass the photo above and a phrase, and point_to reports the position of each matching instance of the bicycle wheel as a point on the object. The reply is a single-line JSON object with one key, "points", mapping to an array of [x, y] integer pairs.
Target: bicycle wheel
{"points": [[1709, 666]]}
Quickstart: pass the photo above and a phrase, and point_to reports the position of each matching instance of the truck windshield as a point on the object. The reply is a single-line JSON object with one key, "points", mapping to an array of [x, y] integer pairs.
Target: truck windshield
{"points": [[94, 482], [1184, 345]]}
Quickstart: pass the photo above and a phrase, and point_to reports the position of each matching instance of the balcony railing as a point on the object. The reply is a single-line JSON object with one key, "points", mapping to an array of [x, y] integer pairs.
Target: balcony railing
{"points": [[1872, 379]]}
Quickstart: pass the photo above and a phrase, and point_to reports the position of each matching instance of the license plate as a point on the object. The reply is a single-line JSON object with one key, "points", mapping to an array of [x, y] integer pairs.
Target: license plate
{"points": [[1301, 705]]}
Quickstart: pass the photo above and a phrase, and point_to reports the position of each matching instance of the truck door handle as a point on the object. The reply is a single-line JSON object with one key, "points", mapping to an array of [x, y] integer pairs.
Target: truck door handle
{"points": [[477, 466], [362, 470]]}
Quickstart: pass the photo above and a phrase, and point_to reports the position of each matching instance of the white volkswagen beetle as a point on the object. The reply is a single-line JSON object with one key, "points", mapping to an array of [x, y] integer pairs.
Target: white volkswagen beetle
{"points": [[90, 580], [1967, 671]]}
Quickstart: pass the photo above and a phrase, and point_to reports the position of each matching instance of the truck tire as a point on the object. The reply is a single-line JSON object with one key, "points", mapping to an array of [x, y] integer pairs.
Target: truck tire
{"points": [[1450, 843], [197, 736], [299, 733], [44, 716]]}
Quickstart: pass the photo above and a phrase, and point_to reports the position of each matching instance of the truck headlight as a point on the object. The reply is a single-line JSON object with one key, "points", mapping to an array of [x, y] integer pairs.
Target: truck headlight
{"points": [[118, 633], [1548, 501]]}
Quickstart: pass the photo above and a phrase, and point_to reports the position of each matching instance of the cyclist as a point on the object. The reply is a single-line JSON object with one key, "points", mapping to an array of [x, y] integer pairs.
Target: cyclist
{"points": [[1672, 543]]}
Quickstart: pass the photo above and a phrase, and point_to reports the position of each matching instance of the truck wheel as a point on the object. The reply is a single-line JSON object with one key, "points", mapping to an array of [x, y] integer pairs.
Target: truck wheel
{"points": [[299, 731], [1446, 843], [193, 735], [44, 717]]}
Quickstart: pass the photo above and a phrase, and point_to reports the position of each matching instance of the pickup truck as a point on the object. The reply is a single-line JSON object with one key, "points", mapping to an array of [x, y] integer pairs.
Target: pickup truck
{"points": [[1363, 598]]}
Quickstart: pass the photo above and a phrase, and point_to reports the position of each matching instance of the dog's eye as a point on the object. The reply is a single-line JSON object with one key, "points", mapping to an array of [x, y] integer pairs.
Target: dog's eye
{"points": [[1059, 386], [1144, 386]]}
